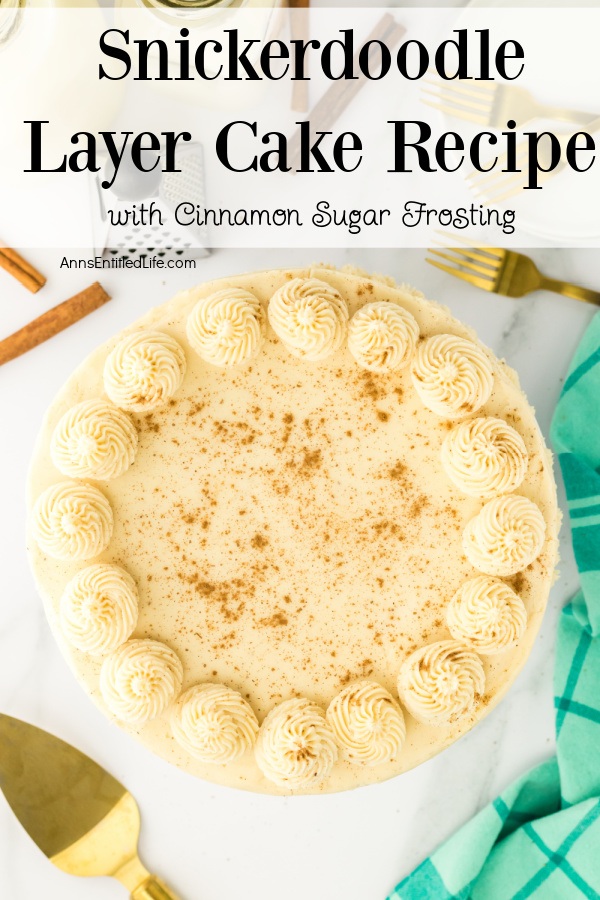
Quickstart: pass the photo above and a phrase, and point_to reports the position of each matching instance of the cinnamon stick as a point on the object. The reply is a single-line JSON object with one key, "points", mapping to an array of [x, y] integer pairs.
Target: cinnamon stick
{"points": [[20, 269], [338, 97], [52, 322], [299, 28]]}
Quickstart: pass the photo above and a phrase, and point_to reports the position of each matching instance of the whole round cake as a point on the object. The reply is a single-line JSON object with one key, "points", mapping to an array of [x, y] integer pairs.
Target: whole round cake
{"points": [[294, 530]]}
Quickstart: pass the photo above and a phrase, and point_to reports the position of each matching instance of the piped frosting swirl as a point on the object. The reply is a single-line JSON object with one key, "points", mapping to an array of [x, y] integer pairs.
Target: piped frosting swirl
{"points": [[441, 682], [94, 439], [99, 608], [72, 521], [214, 723], [140, 679], [310, 317], [486, 614], [485, 457], [367, 723], [382, 336], [228, 327], [295, 746], [505, 537], [144, 370], [452, 376]]}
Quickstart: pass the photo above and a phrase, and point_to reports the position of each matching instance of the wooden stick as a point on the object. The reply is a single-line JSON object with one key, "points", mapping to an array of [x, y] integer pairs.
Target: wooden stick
{"points": [[52, 322], [338, 97], [20, 269], [299, 27]]}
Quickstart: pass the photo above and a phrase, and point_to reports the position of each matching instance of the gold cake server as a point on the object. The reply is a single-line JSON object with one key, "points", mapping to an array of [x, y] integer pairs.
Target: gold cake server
{"points": [[79, 816]]}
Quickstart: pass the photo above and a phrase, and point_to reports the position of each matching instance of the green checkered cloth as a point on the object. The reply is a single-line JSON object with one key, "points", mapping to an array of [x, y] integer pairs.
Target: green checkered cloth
{"points": [[541, 837]]}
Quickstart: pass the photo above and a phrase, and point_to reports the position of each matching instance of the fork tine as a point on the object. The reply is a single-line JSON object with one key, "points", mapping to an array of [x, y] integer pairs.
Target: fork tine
{"points": [[456, 98], [475, 280], [479, 88], [464, 259], [457, 112], [485, 96], [496, 252], [501, 190], [512, 192], [478, 254]]}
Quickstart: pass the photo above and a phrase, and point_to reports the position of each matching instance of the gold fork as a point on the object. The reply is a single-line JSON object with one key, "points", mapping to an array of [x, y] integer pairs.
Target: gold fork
{"points": [[494, 104], [504, 272]]}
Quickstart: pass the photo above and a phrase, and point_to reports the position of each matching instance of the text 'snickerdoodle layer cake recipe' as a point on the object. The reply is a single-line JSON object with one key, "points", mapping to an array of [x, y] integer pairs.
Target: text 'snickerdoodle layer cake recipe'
{"points": [[295, 530]]}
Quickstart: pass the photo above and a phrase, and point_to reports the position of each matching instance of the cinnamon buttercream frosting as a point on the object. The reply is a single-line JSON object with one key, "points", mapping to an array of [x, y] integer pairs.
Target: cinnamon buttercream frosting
{"points": [[486, 614], [295, 529], [99, 608], [72, 521], [144, 371], [505, 537], [485, 457], [441, 682], [452, 376], [310, 317], [367, 723], [214, 723], [140, 679], [295, 746], [382, 336], [94, 439], [228, 327]]}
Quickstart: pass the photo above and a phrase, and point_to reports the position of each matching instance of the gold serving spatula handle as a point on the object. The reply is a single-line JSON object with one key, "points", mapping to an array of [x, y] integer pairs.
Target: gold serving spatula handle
{"points": [[153, 889], [142, 885]]}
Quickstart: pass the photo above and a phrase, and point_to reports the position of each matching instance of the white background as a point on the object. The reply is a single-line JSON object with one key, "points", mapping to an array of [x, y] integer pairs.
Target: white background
{"points": [[213, 843]]}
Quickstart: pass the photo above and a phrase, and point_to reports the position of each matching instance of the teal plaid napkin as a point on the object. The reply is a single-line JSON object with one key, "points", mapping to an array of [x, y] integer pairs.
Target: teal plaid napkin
{"points": [[541, 837]]}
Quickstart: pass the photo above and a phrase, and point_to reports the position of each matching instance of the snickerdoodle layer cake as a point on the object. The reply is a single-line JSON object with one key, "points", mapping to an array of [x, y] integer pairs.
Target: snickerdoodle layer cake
{"points": [[294, 530]]}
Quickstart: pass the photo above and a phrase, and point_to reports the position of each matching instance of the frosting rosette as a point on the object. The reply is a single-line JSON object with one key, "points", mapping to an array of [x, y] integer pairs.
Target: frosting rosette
{"points": [[367, 723], [441, 682], [214, 723], [99, 608], [485, 457], [452, 376], [505, 537], [382, 336], [144, 370], [227, 328], [310, 317], [94, 439], [140, 679], [295, 746], [486, 614], [72, 521]]}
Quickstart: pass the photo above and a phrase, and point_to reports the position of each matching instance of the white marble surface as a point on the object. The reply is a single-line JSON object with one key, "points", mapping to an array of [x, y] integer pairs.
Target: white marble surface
{"points": [[212, 843]]}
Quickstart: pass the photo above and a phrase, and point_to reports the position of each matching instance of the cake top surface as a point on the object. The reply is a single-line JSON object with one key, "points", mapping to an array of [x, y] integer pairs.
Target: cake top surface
{"points": [[297, 497]]}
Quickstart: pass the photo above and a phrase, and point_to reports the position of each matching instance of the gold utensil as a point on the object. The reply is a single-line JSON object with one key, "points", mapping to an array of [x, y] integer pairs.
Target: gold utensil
{"points": [[493, 104], [499, 185], [79, 816], [504, 272]]}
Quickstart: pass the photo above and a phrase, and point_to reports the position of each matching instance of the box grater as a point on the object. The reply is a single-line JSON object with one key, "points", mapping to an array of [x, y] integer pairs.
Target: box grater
{"points": [[165, 190]]}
